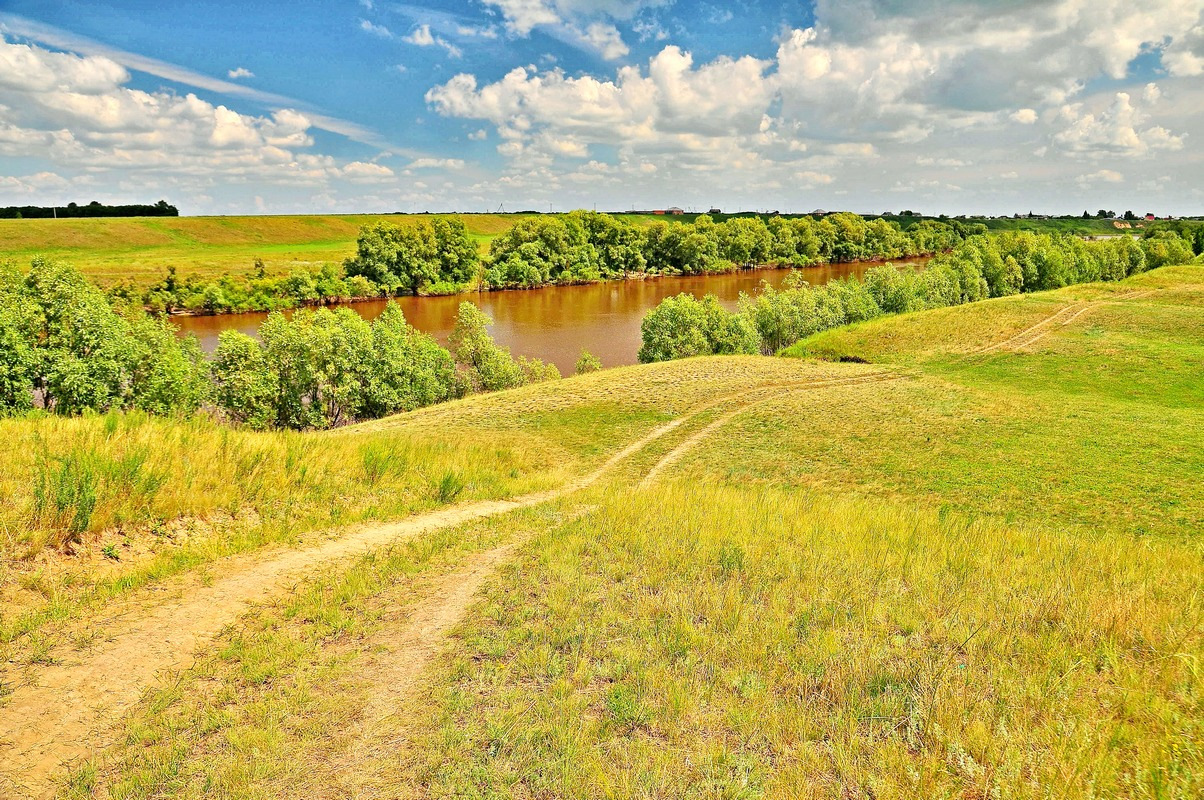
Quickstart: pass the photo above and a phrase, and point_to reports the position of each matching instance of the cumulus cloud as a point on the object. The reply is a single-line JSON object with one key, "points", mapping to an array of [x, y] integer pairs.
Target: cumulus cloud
{"points": [[588, 24], [436, 163], [240, 72], [869, 79], [1102, 176], [605, 39], [673, 98], [1119, 129], [78, 112], [366, 172], [30, 184], [422, 37]]}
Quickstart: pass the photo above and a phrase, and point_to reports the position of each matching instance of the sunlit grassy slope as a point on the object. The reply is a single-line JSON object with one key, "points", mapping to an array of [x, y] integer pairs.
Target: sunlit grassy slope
{"points": [[165, 497], [979, 580], [140, 249]]}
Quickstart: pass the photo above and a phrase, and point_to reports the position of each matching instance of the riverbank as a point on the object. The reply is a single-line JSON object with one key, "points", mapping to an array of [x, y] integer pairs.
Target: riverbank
{"points": [[556, 323], [137, 251], [482, 288]]}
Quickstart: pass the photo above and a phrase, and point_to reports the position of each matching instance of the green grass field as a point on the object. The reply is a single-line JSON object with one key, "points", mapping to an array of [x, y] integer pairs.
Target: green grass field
{"points": [[139, 250], [966, 567]]}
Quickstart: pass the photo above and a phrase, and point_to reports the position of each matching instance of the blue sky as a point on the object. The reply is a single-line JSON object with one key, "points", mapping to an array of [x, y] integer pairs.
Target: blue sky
{"points": [[361, 105]]}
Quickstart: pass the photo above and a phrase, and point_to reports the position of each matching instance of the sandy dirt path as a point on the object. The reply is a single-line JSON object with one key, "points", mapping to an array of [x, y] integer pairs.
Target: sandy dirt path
{"points": [[67, 710], [63, 715], [676, 454]]}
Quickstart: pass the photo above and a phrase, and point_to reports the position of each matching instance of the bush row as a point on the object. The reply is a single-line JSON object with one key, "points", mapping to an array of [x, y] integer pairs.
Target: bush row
{"points": [[439, 256], [585, 246], [978, 268], [68, 348]]}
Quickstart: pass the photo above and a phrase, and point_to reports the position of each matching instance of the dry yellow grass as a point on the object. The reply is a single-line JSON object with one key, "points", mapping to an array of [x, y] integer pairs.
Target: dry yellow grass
{"points": [[979, 580]]}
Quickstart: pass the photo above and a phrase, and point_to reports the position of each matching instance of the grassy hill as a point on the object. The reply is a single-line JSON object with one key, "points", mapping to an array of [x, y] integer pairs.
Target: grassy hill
{"points": [[957, 557]]}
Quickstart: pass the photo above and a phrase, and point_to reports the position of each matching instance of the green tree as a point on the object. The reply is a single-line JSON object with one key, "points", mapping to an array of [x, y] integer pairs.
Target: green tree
{"points": [[456, 252], [685, 326], [408, 368], [396, 258], [18, 357], [244, 383], [588, 362], [484, 366]]}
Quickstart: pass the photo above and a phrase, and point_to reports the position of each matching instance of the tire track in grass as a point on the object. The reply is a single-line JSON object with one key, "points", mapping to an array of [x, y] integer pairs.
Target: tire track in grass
{"points": [[1084, 310], [677, 453], [1055, 321], [65, 711]]}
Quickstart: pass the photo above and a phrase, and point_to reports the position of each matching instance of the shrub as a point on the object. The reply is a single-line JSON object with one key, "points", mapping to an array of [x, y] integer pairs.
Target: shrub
{"points": [[588, 362], [685, 326], [484, 366]]}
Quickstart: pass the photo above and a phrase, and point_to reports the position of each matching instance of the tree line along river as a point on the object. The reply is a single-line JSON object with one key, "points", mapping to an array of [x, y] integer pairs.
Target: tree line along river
{"points": [[556, 323]]}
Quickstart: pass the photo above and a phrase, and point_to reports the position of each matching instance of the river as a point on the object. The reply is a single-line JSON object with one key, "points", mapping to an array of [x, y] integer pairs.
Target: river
{"points": [[556, 323]]}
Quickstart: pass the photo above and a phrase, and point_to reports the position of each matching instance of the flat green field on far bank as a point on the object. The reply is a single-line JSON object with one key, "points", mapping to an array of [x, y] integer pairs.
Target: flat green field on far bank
{"points": [[138, 250]]}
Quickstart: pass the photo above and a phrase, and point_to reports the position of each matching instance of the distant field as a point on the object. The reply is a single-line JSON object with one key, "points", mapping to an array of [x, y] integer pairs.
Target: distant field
{"points": [[139, 250]]}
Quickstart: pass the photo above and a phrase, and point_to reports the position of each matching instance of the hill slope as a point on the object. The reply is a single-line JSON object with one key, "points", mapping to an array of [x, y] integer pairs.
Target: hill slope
{"points": [[965, 568]]}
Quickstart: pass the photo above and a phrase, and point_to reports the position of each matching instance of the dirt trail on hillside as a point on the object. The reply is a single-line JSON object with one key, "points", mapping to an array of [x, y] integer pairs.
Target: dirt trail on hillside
{"points": [[1086, 309], [64, 714], [677, 453], [58, 719], [1059, 319]]}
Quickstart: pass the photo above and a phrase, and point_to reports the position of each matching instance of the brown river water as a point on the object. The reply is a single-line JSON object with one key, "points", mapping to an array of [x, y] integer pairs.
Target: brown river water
{"points": [[556, 323]]}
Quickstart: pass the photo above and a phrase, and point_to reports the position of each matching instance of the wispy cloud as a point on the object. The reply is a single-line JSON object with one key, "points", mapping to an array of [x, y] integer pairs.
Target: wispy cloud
{"points": [[65, 40]]}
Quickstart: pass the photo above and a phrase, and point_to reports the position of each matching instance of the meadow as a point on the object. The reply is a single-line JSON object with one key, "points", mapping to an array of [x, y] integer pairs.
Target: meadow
{"points": [[139, 250], [951, 553]]}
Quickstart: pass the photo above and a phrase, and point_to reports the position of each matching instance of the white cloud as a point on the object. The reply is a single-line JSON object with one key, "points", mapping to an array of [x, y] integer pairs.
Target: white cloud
{"points": [[605, 39], [365, 172], [240, 72], [1102, 176], [523, 16], [588, 24], [78, 113], [376, 30], [95, 53], [1025, 116], [1118, 129], [422, 37], [812, 178], [929, 161], [30, 184], [436, 163]]}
